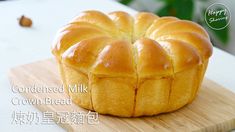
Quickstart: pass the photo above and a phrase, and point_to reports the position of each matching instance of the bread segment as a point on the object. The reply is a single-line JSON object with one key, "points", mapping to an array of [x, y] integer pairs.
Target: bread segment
{"points": [[152, 60], [152, 95], [124, 23], [183, 86], [113, 95], [185, 79], [154, 70], [159, 23], [142, 22], [114, 60], [99, 19], [202, 44], [183, 55], [83, 55], [198, 41], [179, 26], [77, 86], [70, 37]]}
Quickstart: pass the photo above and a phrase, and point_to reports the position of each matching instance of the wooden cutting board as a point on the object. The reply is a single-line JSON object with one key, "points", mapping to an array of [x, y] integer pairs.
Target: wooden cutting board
{"points": [[213, 110]]}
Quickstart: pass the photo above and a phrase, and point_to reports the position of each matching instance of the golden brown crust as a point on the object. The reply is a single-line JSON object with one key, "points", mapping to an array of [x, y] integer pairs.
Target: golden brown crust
{"points": [[202, 44], [115, 59], [70, 37], [179, 26], [77, 25], [158, 62], [152, 59], [159, 23], [182, 54], [97, 18], [124, 23], [142, 21], [83, 54]]}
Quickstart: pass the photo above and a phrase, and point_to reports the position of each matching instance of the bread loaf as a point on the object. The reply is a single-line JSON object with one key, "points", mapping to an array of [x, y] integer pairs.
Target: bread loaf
{"points": [[132, 66]]}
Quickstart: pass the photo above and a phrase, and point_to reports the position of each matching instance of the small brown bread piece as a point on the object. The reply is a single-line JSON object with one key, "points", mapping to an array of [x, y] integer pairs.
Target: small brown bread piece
{"points": [[25, 21]]}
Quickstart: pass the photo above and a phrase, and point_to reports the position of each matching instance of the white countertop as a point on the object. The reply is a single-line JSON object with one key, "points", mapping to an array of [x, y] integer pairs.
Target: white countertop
{"points": [[24, 45]]}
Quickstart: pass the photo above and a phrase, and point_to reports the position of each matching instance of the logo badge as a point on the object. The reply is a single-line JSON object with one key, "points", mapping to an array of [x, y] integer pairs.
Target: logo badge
{"points": [[217, 16]]}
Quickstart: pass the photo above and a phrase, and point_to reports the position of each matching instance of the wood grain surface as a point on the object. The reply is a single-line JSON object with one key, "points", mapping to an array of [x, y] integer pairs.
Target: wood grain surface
{"points": [[212, 111]]}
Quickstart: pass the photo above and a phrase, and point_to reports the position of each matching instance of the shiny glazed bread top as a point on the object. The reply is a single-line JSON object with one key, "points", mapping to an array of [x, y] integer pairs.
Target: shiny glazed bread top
{"points": [[118, 44]]}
